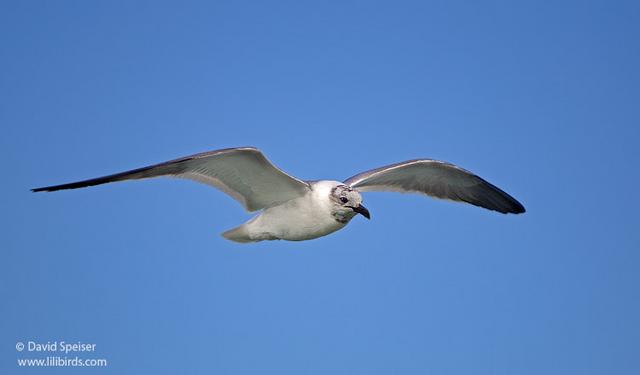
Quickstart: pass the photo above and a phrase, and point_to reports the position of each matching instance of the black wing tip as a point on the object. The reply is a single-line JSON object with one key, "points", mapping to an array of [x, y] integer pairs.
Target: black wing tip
{"points": [[48, 189], [500, 202], [511, 208], [515, 208], [72, 185], [520, 210]]}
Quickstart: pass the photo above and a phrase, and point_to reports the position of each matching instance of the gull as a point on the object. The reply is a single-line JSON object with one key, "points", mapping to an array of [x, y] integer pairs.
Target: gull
{"points": [[297, 210]]}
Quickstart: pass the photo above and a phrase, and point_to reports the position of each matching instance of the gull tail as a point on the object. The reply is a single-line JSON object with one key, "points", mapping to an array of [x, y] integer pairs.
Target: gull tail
{"points": [[238, 234]]}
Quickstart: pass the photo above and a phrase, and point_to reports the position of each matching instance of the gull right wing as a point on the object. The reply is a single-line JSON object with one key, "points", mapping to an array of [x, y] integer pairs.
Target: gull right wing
{"points": [[244, 173]]}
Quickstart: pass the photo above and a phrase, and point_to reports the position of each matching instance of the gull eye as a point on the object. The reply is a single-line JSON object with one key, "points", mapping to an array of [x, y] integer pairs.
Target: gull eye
{"points": [[344, 199]]}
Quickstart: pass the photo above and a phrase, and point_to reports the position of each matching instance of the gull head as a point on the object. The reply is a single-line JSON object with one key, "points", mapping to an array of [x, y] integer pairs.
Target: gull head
{"points": [[347, 202]]}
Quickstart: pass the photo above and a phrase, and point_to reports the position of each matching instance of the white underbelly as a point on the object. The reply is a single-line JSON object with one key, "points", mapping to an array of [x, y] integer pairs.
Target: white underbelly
{"points": [[293, 221]]}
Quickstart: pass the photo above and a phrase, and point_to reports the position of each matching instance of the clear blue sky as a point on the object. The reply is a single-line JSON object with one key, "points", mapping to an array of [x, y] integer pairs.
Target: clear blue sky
{"points": [[540, 98]]}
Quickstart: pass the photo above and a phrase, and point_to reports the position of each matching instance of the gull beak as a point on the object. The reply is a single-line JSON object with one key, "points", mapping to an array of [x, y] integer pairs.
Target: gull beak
{"points": [[362, 210]]}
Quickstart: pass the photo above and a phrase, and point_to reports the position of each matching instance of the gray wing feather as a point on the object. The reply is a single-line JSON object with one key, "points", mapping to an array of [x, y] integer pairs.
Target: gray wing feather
{"points": [[437, 179], [244, 173]]}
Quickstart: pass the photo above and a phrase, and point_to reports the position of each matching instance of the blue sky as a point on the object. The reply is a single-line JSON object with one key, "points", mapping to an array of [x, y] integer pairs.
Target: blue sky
{"points": [[540, 98]]}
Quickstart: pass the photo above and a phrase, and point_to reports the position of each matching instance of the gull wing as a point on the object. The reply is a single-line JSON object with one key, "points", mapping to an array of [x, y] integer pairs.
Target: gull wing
{"points": [[244, 173], [437, 179]]}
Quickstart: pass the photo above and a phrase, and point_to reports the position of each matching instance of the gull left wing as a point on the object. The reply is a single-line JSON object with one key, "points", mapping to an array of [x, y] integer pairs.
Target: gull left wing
{"points": [[439, 180]]}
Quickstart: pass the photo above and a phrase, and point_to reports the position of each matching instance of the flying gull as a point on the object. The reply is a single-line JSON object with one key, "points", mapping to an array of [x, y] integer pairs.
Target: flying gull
{"points": [[297, 210]]}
